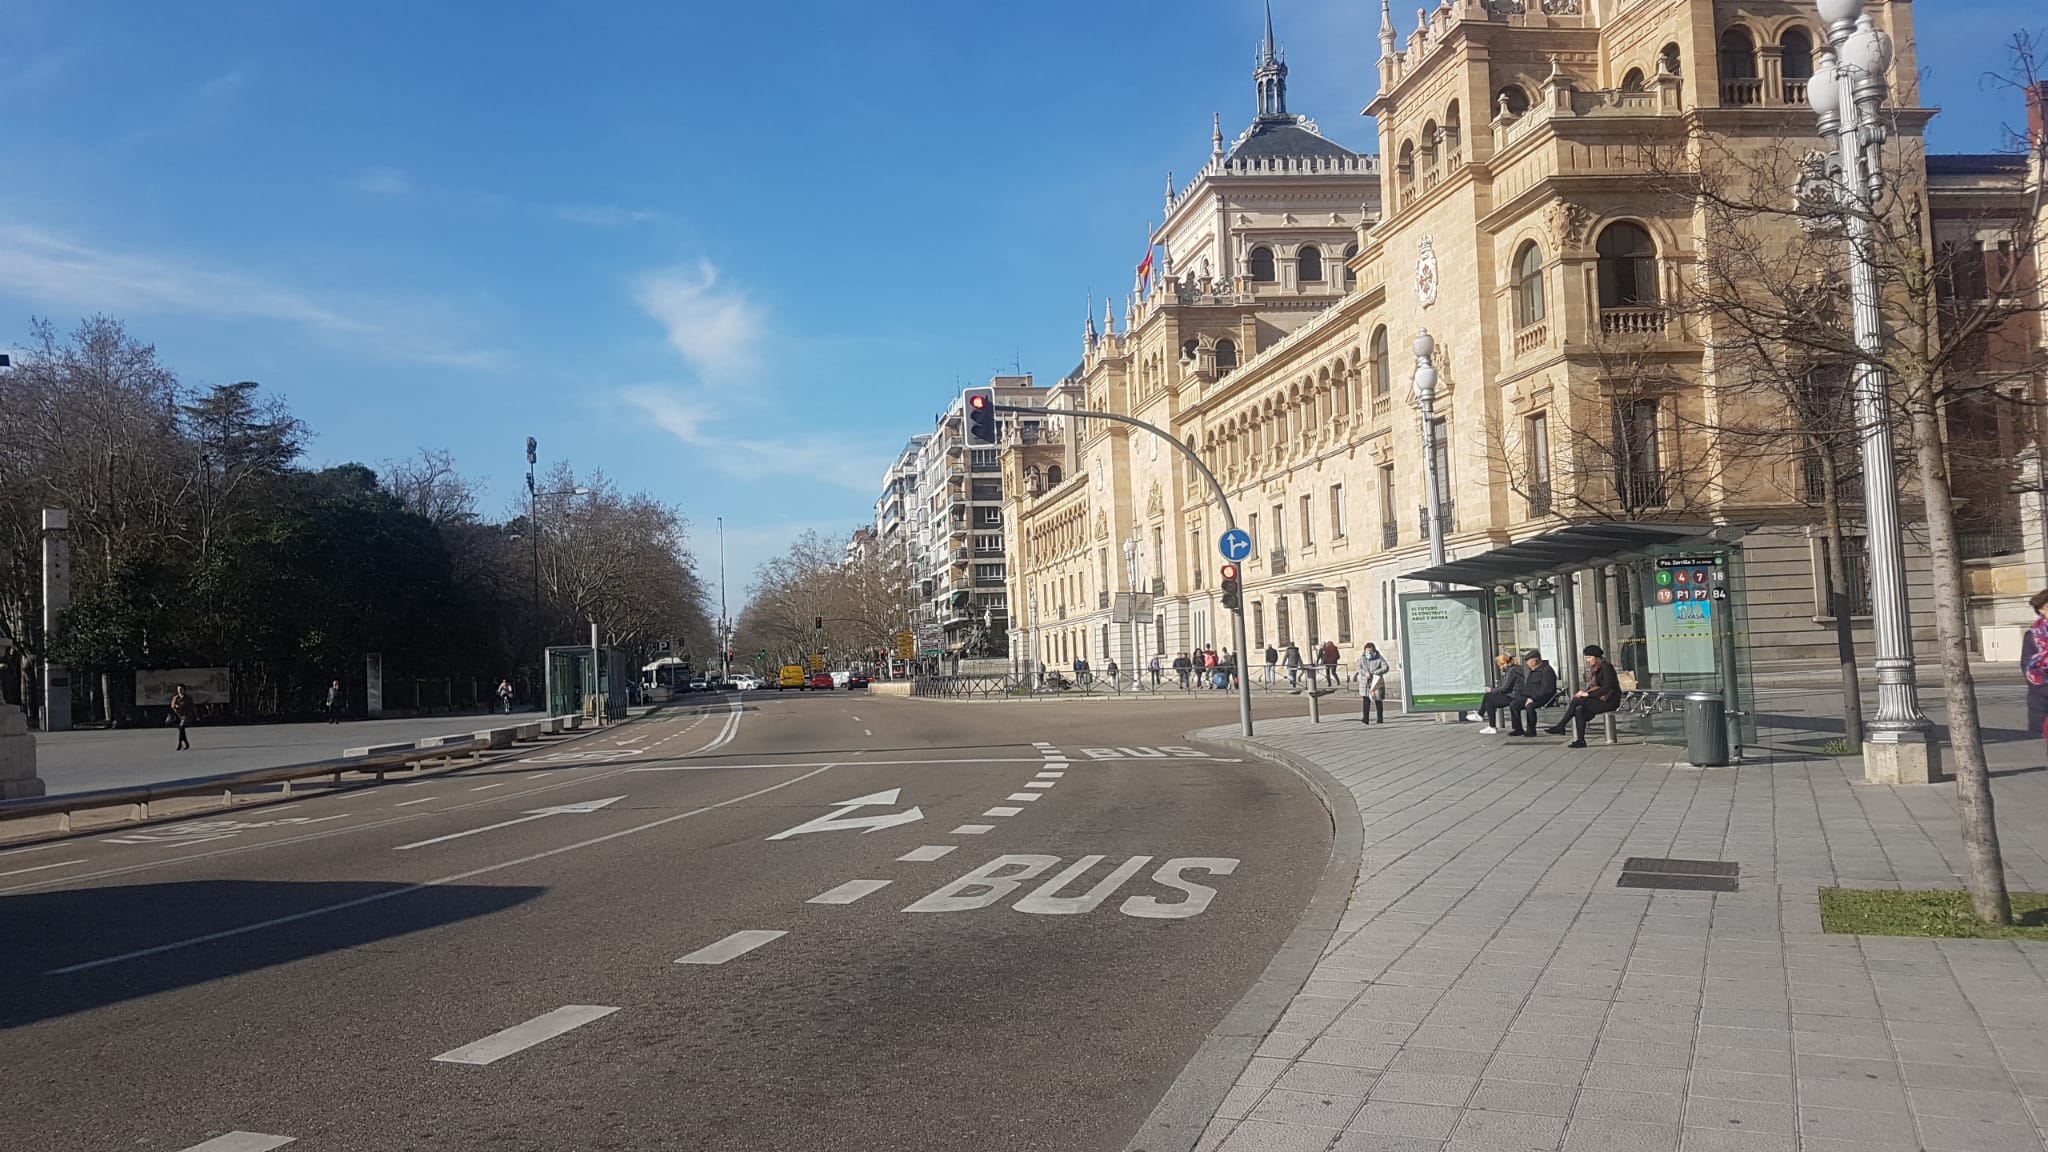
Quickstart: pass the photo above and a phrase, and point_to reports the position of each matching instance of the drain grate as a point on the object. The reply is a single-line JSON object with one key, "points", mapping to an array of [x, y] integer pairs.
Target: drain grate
{"points": [[1684, 875]]}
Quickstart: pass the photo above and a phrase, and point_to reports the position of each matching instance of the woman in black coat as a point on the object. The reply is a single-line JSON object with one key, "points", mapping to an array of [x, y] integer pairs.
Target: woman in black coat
{"points": [[1601, 695]]}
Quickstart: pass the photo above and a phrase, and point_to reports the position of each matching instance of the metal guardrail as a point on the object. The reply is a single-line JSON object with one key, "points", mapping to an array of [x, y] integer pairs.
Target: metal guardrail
{"points": [[378, 759], [1066, 684]]}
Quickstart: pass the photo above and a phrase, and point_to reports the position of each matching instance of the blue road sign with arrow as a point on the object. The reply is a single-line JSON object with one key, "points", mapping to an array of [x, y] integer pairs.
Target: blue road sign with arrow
{"points": [[1236, 544]]}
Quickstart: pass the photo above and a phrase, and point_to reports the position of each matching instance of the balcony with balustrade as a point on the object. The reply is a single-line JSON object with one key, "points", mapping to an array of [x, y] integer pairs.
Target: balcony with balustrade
{"points": [[1637, 320]]}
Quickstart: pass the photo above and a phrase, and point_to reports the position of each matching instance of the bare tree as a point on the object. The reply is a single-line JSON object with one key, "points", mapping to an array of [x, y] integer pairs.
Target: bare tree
{"points": [[428, 485]]}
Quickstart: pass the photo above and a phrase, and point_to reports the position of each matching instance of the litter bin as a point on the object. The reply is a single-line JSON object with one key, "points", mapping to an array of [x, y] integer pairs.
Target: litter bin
{"points": [[1706, 729]]}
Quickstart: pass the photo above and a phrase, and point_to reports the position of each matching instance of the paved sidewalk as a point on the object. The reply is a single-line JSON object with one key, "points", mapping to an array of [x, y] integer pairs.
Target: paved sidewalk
{"points": [[1491, 988]]}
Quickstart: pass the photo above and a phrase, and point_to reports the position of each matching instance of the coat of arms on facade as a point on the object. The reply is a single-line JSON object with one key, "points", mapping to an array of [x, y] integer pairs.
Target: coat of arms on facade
{"points": [[1425, 273]]}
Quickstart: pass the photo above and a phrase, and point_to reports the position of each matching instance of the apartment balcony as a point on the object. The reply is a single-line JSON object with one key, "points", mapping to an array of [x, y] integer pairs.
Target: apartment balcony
{"points": [[1276, 562], [1795, 92], [1742, 91], [989, 466], [1390, 534], [989, 581], [1539, 499], [1634, 321], [1638, 491], [1533, 338]]}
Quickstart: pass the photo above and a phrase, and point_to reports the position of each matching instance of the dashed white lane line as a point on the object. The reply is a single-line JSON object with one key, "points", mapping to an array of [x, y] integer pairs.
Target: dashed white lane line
{"points": [[926, 854], [737, 944], [848, 892], [42, 867], [537, 776], [243, 1142], [520, 1037], [1003, 810], [1041, 744], [1026, 796], [1041, 784], [410, 803], [972, 829], [868, 731], [1048, 775], [488, 787], [26, 851]]}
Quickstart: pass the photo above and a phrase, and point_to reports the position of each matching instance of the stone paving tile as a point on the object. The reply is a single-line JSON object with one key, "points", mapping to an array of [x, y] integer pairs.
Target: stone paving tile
{"points": [[1490, 988]]}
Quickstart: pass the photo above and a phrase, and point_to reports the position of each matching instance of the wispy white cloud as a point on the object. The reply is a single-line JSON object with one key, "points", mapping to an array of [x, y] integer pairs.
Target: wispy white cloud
{"points": [[692, 421], [53, 271], [382, 182], [718, 330], [607, 215], [221, 86]]}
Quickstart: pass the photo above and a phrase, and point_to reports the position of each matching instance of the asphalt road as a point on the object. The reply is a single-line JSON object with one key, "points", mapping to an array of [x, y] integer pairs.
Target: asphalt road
{"points": [[678, 934], [84, 759]]}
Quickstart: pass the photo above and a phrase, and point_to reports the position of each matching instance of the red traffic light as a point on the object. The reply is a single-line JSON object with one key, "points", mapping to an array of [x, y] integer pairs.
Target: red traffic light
{"points": [[1230, 571], [977, 401]]}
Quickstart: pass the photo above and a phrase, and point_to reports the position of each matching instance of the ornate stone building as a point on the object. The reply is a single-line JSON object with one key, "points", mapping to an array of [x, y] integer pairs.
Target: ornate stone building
{"points": [[1512, 222]]}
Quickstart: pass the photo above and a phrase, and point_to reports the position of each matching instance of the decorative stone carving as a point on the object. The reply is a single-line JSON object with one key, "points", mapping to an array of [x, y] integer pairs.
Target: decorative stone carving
{"points": [[1155, 505], [1560, 7], [1571, 221], [1425, 272]]}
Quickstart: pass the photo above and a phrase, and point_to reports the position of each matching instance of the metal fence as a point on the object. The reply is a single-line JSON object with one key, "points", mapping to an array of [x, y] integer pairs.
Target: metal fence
{"points": [[1067, 683]]}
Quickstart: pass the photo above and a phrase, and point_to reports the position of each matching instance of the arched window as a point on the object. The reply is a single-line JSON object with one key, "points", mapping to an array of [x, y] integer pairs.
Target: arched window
{"points": [[1262, 265], [1429, 144], [1052, 475], [1454, 138], [1404, 169], [1226, 348], [1668, 60], [1512, 100], [1529, 285], [1633, 81], [1739, 84], [1350, 276], [1382, 369], [1190, 348], [1628, 266], [1308, 264], [1795, 50]]}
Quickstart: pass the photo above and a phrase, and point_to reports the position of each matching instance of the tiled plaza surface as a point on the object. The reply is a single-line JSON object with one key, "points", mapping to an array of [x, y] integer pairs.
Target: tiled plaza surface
{"points": [[1491, 987]]}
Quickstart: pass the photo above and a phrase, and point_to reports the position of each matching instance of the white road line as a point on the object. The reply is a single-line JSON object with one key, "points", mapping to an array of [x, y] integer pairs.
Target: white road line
{"points": [[868, 731], [1003, 810], [926, 854], [42, 868], [737, 944], [243, 1142], [284, 807], [452, 878], [848, 892], [1048, 775], [725, 734], [520, 1037], [1040, 744], [1027, 796], [25, 851], [1041, 783], [414, 783], [856, 719], [972, 829], [1055, 763], [821, 764], [410, 803], [488, 787], [538, 776]]}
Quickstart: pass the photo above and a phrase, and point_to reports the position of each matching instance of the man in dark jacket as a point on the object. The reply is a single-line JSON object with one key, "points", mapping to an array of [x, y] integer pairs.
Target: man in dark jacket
{"points": [[1539, 685], [1601, 695], [1507, 686], [1328, 657]]}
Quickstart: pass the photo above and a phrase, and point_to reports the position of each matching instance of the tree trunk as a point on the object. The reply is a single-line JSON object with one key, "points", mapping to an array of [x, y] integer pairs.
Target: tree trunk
{"points": [[1966, 737], [1839, 606]]}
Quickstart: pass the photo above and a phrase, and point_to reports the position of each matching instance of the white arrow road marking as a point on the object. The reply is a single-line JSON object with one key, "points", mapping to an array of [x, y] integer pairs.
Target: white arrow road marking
{"points": [[520, 1037], [837, 820], [243, 1142], [737, 944], [536, 814], [848, 892]]}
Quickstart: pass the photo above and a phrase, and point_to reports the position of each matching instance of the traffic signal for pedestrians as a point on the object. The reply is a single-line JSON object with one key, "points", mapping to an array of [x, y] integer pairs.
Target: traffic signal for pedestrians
{"points": [[1231, 595], [981, 417]]}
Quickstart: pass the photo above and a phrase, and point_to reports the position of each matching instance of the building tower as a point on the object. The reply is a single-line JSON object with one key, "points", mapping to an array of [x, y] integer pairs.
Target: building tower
{"points": [[1271, 76]]}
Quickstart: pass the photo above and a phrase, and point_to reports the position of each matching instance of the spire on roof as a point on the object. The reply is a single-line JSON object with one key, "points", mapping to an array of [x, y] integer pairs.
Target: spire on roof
{"points": [[1216, 139], [1088, 331], [1108, 316], [1387, 33], [1169, 190], [1271, 76]]}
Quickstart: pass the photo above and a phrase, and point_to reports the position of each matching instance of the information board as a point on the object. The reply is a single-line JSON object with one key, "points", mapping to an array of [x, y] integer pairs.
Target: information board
{"points": [[1684, 598], [1443, 650]]}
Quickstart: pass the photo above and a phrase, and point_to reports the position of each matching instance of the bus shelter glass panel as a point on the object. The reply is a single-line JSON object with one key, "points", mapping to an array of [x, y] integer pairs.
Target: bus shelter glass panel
{"points": [[1694, 637]]}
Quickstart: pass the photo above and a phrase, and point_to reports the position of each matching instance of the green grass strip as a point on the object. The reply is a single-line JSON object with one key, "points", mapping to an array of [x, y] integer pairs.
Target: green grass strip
{"points": [[1876, 912]]}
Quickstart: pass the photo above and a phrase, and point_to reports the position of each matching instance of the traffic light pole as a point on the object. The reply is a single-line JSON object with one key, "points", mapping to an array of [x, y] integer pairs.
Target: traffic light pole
{"points": [[1243, 658]]}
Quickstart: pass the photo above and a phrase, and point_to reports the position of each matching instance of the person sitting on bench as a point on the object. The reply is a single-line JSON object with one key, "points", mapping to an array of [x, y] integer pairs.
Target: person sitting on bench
{"points": [[1539, 688], [1601, 695], [1507, 688]]}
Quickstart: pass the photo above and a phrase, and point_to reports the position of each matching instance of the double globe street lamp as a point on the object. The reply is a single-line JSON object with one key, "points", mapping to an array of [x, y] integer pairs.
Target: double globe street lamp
{"points": [[1846, 91]]}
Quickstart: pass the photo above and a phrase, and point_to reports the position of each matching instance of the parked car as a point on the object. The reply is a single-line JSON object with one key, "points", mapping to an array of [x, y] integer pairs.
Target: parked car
{"points": [[822, 680], [857, 679]]}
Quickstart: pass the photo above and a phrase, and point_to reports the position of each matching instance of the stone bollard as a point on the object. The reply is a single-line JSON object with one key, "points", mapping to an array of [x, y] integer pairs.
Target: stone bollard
{"points": [[17, 756]]}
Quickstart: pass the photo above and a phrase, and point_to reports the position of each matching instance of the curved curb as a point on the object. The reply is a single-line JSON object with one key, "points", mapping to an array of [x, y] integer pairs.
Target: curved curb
{"points": [[1190, 1104]]}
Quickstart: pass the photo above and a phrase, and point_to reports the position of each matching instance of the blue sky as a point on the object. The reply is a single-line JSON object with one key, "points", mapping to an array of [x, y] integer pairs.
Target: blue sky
{"points": [[733, 254]]}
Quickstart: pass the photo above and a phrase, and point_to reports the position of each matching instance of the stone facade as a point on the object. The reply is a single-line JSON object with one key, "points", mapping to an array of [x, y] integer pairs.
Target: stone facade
{"points": [[17, 756], [1512, 223]]}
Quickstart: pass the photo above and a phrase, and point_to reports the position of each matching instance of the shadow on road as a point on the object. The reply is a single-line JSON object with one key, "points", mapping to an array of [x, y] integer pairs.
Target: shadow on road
{"points": [[43, 932]]}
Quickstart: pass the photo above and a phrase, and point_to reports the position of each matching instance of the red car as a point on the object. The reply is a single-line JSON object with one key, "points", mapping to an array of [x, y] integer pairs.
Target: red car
{"points": [[821, 680]]}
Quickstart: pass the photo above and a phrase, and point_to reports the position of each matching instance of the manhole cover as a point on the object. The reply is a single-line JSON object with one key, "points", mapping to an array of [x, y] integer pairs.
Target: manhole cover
{"points": [[1686, 875]]}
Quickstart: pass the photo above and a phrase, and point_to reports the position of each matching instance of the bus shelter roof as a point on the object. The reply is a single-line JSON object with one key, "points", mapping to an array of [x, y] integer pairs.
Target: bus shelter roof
{"points": [[1570, 549]]}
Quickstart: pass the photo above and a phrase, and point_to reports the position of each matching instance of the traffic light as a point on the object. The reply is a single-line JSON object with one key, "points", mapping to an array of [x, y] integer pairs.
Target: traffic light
{"points": [[981, 417], [818, 623], [1231, 597]]}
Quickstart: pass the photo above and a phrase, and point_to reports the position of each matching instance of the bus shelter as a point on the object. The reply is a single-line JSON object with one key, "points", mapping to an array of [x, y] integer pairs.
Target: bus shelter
{"points": [[1667, 602], [575, 679]]}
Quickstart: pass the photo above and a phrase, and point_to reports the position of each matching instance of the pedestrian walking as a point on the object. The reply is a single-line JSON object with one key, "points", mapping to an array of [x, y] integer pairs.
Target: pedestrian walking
{"points": [[505, 695], [1081, 672], [1507, 685], [2034, 663], [333, 705], [1600, 695], [1183, 667], [181, 715], [1293, 662], [1272, 665], [1372, 684], [1329, 658], [1112, 673], [1539, 687], [1153, 668]]}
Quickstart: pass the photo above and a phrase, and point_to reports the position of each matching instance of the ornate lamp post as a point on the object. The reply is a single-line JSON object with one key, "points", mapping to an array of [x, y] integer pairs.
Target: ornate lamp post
{"points": [[1425, 398], [1846, 92]]}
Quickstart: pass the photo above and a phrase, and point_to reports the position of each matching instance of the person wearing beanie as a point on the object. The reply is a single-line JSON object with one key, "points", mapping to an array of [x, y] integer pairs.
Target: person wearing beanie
{"points": [[1601, 695]]}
